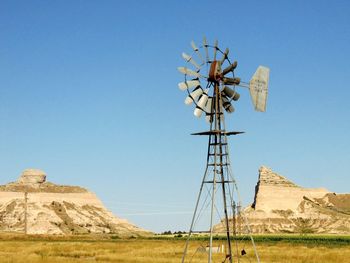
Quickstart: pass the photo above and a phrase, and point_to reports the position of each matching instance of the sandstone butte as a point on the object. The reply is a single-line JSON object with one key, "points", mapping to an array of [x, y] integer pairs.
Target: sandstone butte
{"points": [[281, 206], [56, 209]]}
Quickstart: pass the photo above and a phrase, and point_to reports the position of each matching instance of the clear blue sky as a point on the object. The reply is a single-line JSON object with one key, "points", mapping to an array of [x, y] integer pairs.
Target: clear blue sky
{"points": [[88, 93]]}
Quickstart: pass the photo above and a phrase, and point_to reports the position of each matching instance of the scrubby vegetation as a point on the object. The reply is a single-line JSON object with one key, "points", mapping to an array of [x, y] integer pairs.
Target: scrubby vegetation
{"points": [[104, 248]]}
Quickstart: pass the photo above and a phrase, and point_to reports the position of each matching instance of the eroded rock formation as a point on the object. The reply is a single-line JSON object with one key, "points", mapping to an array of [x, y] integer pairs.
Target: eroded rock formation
{"points": [[33, 177], [56, 209], [280, 206]]}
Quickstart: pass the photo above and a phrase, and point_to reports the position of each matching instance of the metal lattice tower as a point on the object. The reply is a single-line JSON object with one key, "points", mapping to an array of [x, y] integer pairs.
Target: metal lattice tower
{"points": [[218, 178]]}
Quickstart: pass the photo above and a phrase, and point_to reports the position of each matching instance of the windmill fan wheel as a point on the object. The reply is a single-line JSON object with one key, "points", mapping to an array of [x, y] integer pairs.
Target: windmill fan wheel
{"points": [[212, 76]]}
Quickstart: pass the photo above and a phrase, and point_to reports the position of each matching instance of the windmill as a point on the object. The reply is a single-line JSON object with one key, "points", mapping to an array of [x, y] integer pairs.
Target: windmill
{"points": [[211, 85]]}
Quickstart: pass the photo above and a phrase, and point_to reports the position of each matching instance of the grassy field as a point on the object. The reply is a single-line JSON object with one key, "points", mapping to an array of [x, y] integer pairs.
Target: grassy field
{"points": [[296, 249]]}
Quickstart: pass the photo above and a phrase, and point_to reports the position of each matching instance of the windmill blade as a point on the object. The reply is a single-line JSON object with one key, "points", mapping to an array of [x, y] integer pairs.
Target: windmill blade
{"points": [[225, 55], [193, 95], [231, 81], [201, 104], [197, 112], [230, 93], [187, 71], [215, 49], [208, 118], [188, 84], [229, 68], [191, 60], [258, 87], [207, 109], [203, 100], [227, 105], [196, 49], [205, 45]]}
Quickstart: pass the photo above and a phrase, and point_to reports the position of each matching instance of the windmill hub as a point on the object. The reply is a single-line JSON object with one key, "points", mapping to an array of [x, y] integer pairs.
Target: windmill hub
{"points": [[215, 74]]}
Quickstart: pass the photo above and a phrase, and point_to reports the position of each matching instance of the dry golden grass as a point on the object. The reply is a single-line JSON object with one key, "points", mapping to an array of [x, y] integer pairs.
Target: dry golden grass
{"points": [[17, 250]]}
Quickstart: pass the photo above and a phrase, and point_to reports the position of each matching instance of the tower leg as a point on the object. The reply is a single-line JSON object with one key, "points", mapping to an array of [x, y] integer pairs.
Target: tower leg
{"points": [[211, 220], [194, 217]]}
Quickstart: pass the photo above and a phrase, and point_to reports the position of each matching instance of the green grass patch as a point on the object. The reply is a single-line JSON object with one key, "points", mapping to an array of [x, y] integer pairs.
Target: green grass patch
{"points": [[298, 239]]}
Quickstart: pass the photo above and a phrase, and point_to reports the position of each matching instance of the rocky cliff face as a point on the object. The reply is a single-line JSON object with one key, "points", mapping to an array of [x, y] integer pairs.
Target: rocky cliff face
{"points": [[280, 206], [56, 209], [275, 192]]}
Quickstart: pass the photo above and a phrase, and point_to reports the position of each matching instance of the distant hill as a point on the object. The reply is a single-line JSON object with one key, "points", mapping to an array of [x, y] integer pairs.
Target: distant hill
{"points": [[280, 206], [56, 209]]}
